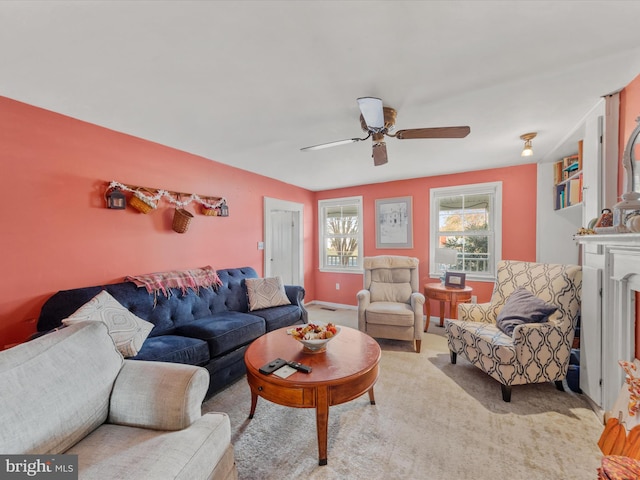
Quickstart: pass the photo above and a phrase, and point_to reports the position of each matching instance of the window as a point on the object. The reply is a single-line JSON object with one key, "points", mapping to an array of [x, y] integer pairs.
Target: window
{"points": [[340, 232], [467, 219]]}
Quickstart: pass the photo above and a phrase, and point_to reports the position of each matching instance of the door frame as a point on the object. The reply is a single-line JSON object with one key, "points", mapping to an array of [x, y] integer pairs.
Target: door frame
{"points": [[271, 204]]}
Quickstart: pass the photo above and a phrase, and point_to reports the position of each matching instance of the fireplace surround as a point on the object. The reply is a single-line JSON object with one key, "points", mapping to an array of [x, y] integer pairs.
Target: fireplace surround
{"points": [[611, 282]]}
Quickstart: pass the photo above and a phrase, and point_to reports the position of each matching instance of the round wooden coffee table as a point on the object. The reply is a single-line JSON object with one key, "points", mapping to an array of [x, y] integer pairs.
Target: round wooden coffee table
{"points": [[346, 370]]}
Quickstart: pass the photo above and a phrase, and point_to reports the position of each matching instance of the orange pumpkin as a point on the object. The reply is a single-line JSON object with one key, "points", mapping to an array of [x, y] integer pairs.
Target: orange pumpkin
{"points": [[613, 438], [632, 445]]}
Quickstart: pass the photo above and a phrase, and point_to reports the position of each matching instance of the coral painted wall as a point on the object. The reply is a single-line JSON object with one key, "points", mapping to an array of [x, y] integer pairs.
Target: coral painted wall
{"points": [[57, 234], [629, 112], [519, 191]]}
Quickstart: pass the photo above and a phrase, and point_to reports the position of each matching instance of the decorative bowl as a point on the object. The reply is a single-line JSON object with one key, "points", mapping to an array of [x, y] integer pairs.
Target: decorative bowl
{"points": [[310, 344]]}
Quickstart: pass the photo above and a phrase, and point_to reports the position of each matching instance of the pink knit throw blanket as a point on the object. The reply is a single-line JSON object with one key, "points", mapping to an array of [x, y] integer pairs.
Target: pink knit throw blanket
{"points": [[182, 279]]}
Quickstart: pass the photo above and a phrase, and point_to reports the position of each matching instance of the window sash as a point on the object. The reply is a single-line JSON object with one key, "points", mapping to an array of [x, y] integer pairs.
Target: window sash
{"points": [[479, 265], [344, 257]]}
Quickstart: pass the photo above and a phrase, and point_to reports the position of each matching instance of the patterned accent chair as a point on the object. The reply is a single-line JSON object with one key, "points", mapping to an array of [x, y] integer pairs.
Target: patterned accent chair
{"points": [[536, 352], [391, 305]]}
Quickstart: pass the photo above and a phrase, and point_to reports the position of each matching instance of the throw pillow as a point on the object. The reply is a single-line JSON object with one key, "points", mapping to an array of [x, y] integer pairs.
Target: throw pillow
{"points": [[266, 292], [127, 331], [523, 307]]}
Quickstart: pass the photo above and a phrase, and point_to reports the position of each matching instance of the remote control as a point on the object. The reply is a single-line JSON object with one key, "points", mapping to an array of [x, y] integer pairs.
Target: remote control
{"points": [[300, 367], [272, 366]]}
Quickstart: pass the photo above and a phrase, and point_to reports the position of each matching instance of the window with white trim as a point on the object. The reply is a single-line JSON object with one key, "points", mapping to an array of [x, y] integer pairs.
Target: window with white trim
{"points": [[340, 234], [467, 219]]}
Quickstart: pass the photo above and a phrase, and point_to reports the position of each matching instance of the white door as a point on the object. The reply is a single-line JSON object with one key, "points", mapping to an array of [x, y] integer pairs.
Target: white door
{"points": [[591, 334], [283, 240], [283, 245]]}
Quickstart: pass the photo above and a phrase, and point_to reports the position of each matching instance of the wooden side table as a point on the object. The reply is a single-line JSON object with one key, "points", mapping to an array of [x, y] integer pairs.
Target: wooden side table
{"points": [[437, 291]]}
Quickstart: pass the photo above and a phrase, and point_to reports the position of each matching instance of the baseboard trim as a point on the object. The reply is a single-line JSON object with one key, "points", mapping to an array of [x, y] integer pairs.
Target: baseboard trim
{"points": [[332, 305]]}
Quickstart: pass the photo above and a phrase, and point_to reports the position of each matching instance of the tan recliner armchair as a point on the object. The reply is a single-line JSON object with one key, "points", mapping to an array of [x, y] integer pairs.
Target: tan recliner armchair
{"points": [[390, 305]]}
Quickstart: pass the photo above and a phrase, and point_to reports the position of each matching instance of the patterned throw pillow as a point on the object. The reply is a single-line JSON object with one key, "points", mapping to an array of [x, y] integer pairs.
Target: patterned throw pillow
{"points": [[266, 292], [127, 331], [522, 307]]}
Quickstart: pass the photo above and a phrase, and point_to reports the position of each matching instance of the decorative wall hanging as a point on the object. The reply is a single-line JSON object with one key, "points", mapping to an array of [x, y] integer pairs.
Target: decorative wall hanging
{"points": [[145, 199], [115, 199], [393, 223], [181, 220], [142, 202]]}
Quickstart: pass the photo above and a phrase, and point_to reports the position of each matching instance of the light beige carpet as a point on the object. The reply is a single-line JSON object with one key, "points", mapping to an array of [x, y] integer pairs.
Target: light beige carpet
{"points": [[432, 420]]}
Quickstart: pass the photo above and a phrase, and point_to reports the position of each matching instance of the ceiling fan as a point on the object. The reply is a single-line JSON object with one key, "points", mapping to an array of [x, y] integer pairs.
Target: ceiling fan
{"points": [[378, 121]]}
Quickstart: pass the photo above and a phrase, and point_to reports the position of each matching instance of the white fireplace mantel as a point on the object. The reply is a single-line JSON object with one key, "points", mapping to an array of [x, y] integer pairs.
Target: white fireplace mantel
{"points": [[632, 239], [611, 275]]}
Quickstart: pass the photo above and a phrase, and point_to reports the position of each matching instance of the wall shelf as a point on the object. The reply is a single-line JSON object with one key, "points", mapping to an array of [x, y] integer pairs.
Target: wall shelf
{"points": [[567, 180]]}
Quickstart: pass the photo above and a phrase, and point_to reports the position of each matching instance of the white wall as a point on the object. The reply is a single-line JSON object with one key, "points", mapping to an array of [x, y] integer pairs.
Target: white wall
{"points": [[556, 228]]}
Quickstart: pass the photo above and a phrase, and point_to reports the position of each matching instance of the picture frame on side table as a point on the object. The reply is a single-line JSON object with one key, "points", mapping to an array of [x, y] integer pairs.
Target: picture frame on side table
{"points": [[394, 225], [454, 279]]}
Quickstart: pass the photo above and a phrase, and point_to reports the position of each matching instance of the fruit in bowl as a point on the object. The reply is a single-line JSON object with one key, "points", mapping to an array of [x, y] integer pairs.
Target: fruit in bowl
{"points": [[313, 336]]}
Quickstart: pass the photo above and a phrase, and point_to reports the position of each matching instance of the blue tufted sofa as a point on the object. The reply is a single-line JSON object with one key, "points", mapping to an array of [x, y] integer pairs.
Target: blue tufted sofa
{"points": [[211, 328]]}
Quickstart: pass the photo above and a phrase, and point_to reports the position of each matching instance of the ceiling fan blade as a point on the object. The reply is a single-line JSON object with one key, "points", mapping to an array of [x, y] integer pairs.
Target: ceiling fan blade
{"points": [[332, 144], [380, 154], [436, 132], [372, 112]]}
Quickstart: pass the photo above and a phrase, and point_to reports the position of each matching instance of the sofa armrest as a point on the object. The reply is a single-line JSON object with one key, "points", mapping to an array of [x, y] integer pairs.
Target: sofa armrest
{"points": [[531, 344], [158, 395], [295, 294], [476, 312], [529, 338]]}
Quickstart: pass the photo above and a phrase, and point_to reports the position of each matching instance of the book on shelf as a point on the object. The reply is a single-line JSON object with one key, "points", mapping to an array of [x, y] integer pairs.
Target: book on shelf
{"points": [[565, 168], [580, 143], [575, 191], [557, 173], [559, 196], [570, 165]]}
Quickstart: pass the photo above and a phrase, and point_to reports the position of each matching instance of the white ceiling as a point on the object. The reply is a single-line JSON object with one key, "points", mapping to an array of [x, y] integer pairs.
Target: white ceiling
{"points": [[249, 83]]}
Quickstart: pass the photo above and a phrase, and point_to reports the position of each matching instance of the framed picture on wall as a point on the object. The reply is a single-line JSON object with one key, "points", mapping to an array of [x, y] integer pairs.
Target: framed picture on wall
{"points": [[454, 279], [394, 227]]}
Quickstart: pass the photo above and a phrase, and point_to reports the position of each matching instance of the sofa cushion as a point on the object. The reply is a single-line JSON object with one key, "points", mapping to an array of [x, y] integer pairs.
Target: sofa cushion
{"points": [[143, 454], [174, 348], [127, 330], [60, 393], [266, 292], [225, 331], [522, 307], [278, 317]]}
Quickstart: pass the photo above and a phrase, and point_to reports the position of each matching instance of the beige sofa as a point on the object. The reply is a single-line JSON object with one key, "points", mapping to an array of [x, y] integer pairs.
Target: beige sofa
{"points": [[71, 392]]}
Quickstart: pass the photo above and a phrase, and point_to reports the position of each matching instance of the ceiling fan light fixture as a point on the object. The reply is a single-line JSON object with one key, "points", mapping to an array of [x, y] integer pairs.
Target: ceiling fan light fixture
{"points": [[527, 151], [372, 112], [377, 121]]}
